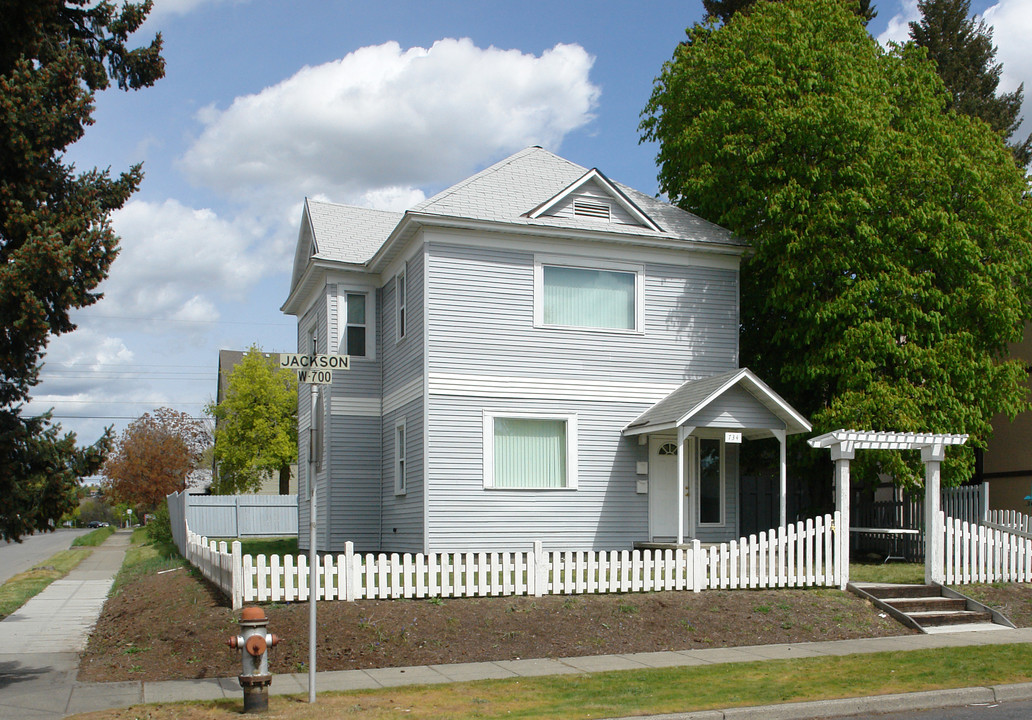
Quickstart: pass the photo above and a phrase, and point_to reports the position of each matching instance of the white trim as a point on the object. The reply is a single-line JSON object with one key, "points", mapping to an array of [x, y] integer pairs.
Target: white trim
{"points": [[553, 388], [370, 321], [400, 459], [681, 255], [540, 261], [571, 447], [400, 305], [594, 175], [403, 395]]}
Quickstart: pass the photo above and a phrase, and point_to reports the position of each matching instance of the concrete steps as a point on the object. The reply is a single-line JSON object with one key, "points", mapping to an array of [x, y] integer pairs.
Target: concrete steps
{"points": [[930, 607]]}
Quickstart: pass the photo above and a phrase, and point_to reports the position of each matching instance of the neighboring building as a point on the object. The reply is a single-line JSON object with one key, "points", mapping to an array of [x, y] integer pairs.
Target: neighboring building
{"points": [[228, 359], [1007, 463], [531, 351]]}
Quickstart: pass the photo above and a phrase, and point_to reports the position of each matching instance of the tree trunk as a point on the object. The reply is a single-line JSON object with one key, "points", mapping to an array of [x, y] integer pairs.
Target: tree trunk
{"points": [[284, 480]]}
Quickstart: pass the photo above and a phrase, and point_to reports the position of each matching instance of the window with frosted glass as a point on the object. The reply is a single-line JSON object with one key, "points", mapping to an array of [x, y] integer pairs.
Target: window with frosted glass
{"points": [[355, 332], [709, 482], [400, 479], [529, 453], [580, 297]]}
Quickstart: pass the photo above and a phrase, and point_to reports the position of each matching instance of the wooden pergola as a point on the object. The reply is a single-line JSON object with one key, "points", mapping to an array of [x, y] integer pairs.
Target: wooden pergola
{"points": [[843, 445]]}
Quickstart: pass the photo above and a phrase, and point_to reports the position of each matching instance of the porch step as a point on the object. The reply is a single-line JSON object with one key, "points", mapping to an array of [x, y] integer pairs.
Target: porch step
{"points": [[950, 617], [928, 607]]}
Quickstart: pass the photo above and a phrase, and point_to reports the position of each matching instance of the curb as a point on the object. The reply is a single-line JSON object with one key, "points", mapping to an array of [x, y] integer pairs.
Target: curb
{"points": [[845, 707]]}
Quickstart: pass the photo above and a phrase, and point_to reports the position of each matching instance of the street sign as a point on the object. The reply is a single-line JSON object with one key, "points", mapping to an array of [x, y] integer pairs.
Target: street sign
{"points": [[303, 361], [315, 377]]}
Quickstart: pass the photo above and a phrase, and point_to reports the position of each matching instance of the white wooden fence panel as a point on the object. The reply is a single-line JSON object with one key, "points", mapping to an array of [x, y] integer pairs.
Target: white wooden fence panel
{"points": [[801, 555]]}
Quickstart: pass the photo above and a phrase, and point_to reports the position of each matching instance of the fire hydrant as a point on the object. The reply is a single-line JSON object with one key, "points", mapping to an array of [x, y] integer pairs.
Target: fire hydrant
{"points": [[254, 643]]}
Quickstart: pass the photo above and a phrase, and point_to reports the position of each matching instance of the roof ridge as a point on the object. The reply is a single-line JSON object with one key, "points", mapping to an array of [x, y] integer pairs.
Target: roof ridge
{"points": [[496, 167], [310, 201]]}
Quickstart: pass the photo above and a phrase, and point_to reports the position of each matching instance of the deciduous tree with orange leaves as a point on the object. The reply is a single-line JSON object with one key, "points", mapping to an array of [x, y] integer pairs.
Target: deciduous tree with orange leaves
{"points": [[153, 457]]}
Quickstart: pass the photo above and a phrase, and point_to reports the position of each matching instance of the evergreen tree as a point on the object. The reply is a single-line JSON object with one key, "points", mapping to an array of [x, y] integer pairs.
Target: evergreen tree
{"points": [[56, 240], [724, 10], [965, 57]]}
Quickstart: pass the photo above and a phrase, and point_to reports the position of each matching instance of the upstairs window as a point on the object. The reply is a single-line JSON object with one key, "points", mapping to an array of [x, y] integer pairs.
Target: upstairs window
{"points": [[401, 293], [356, 325], [400, 479], [596, 298]]}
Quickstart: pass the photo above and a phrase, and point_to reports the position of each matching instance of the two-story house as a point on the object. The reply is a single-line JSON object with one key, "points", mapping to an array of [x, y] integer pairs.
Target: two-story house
{"points": [[531, 352]]}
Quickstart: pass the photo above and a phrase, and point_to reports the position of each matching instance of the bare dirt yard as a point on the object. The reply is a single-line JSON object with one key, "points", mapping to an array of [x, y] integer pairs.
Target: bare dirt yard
{"points": [[175, 625]]}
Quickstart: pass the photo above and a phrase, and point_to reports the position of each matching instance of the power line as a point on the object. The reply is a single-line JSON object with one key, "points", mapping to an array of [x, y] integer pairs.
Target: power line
{"points": [[192, 322]]}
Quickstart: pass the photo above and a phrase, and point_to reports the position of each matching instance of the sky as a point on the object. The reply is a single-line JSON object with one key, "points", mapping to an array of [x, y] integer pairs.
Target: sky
{"points": [[380, 104]]}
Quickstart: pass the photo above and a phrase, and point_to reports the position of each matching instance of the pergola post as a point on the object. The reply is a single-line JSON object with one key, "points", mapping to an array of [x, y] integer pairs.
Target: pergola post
{"points": [[843, 444], [932, 456], [841, 454], [782, 479]]}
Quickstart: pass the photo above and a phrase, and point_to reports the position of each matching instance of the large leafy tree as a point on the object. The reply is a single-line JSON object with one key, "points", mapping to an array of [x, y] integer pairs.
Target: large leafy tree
{"points": [[56, 241], [255, 425], [153, 457], [965, 58], [724, 10], [892, 237]]}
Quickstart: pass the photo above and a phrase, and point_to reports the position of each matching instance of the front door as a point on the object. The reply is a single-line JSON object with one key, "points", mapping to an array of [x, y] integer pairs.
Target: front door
{"points": [[663, 490]]}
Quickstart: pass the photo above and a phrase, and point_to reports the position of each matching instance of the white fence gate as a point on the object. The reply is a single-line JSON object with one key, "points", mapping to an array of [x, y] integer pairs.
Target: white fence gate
{"points": [[801, 555]]}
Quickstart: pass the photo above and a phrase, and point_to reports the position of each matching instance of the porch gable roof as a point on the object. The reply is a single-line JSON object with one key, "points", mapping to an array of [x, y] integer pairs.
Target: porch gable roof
{"points": [[688, 401]]}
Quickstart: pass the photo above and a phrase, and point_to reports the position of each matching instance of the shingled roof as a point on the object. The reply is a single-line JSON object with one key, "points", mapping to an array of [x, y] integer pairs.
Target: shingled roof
{"points": [[506, 192]]}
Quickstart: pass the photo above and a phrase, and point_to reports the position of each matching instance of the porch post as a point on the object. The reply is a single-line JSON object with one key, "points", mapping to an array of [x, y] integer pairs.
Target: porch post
{"points": [[783, 483], [932, 456], [680, 485], [841, 454]]}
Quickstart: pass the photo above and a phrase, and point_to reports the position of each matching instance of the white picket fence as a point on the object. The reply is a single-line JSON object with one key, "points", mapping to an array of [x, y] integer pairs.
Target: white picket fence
{"points": [[997, 550], [801, 555]]}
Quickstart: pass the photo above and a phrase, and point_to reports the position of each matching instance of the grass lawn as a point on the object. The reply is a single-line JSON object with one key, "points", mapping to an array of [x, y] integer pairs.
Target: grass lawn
{"points": [[22, 587], [144, 557], [891, 572], [94, 538], [617, 694]]}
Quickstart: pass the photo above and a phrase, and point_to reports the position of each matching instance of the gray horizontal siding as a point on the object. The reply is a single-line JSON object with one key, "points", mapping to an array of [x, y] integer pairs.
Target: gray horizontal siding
{"points": [[736, 408], [403, 361], [355, 475], [480, 310], [403, 514], [604, 512]]}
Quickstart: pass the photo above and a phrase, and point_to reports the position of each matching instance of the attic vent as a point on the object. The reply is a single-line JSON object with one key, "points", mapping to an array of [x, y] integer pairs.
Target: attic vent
{"points": [[596, 210]]}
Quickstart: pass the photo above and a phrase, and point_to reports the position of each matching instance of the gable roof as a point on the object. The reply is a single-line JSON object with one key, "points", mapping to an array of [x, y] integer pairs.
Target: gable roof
{"points": [[509, 191], [688, 401], [516, 192], [348, 234]]}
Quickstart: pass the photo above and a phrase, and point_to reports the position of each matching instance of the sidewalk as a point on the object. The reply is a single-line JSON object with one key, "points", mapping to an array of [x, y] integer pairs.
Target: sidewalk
{"points": [[39, 646]]}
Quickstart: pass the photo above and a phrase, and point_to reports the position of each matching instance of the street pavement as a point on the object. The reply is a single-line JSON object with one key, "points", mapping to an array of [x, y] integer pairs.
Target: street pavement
{"points": [[39, 646], [18, 557]]}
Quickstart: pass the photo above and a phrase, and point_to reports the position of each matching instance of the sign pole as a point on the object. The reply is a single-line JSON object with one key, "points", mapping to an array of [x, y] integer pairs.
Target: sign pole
{"points": [[313, 558], [313, 369]]}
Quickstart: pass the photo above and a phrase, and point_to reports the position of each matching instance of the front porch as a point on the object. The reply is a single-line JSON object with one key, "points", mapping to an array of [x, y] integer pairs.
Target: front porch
{"points": [[693, 471]]}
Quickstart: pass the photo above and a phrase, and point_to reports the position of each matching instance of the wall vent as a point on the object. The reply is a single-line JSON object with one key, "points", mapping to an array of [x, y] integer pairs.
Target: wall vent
{"points": [[599, 211]]}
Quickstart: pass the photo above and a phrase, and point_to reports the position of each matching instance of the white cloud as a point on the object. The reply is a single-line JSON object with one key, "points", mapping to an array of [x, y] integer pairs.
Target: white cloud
{"points": [[382, 121], [898, 29], [175, 260], [1011, 21], [181, 7]]}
